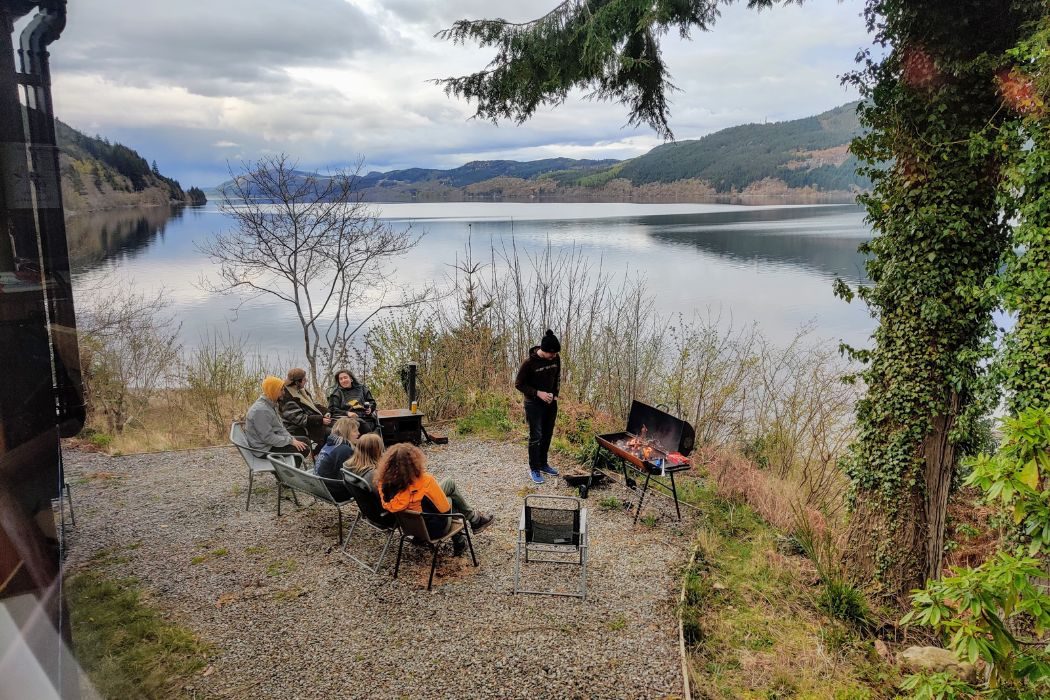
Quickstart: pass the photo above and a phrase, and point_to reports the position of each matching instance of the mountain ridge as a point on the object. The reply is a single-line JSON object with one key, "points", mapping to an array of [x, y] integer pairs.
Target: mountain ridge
{"points": [[806, 158]]}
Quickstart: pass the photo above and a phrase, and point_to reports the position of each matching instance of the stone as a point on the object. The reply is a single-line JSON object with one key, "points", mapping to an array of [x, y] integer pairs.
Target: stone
{"points": [[935, 660]]}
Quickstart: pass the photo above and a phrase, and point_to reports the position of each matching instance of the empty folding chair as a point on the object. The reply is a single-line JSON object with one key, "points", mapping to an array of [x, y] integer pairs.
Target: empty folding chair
{"points": [[553, 530]]}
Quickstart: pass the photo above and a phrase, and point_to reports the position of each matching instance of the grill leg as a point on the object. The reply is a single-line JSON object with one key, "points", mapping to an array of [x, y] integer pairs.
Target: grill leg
{"points": [[675, 492], [69, 499], [641, 497]]}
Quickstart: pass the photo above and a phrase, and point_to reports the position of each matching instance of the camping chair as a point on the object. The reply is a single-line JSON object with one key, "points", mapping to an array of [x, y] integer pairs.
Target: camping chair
{"points": [[290, 477], [413, 526], [552, 526], [371, 511], [257, 464]]}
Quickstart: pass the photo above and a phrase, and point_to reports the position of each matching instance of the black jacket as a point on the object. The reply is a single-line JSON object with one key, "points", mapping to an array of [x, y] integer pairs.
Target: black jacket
{"points": [[538, 374], [342, 402]]}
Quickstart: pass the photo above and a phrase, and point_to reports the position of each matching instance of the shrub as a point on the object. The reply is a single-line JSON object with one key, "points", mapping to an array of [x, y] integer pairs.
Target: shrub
{"points": [[843, 601]]}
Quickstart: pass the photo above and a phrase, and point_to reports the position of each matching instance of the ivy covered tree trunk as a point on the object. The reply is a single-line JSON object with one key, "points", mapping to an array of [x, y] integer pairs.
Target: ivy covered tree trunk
{"points": [[933, 109]]}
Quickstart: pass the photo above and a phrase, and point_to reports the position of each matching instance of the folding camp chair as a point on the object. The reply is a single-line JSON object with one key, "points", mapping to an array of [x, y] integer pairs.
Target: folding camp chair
{"points": [[415, 528], [295, 479], [552, 526], [257, 464], [371, 511]]}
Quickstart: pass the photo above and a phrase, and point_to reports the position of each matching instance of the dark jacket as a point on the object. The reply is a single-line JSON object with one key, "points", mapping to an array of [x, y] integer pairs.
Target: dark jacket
{"points": [[342, 402], [538, 374], [299, 411], [332, 457]]}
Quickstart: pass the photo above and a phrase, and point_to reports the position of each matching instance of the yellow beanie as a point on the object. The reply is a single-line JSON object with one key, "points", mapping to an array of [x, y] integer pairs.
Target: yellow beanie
{"points": [[272, 387]]}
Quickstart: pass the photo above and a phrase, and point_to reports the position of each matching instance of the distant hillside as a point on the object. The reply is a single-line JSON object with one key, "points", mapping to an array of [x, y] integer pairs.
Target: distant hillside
{"points": [[810, 152], [97, 174], [803, 158]]}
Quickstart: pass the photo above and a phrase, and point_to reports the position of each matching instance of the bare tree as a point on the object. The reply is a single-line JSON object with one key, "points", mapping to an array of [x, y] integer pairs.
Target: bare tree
{"points": [[310, 241], [129, 349]]}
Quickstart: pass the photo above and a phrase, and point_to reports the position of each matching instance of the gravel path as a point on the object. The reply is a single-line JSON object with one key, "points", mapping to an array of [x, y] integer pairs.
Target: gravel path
{"points": [[290, 616]]}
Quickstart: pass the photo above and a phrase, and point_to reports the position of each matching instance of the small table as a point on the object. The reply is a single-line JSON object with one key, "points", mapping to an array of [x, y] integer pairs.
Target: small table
{"points": [[400, 425]]}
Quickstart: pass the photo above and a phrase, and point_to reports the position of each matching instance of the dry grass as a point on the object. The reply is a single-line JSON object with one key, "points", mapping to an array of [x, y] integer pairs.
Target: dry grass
{"points": [[753, 624]]}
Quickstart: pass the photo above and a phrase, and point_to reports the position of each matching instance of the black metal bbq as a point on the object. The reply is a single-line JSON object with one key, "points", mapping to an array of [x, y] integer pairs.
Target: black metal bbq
{"points": [[655, 444]]}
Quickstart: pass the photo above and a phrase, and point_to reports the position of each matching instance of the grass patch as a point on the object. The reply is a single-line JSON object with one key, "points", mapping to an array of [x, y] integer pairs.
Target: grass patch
{"points": [[492, 421], [617, 623], [610, 503], [213, 554], [281, 567], [126, 647], [752, 624]]}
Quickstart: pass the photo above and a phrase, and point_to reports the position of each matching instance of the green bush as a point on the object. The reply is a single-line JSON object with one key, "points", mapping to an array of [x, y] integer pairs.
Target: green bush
{"points": [[843, 601], [489, 421]]}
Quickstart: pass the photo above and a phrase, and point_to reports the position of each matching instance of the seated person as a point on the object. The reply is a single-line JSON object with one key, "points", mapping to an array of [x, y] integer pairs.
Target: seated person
{"points": [[367, 453], [338, 448], [302, 415], [351, 396], [405, 484], [263, 427]]}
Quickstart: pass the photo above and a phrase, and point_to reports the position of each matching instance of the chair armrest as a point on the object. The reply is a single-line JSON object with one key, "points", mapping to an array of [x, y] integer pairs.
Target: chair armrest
{"points": [[330, 482], [451, 516], [583, 522], [521, 520]]}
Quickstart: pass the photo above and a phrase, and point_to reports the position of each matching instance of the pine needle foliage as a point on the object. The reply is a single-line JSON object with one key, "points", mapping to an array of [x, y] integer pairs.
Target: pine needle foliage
{"points": [[611, 48]]}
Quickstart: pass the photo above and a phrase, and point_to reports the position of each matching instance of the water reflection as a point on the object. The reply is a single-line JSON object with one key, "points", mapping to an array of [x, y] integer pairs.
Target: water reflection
{"points": [[95, 237]]}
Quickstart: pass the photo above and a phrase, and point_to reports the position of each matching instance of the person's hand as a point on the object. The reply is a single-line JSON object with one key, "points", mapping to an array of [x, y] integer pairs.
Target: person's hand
{"points": [[545, 396], [368, 409], [327, 420], [299, 445]]}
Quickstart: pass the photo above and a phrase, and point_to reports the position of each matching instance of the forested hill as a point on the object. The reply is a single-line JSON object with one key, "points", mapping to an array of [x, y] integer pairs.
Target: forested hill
{"points": [[802, 158], [97, 174], [809, 152]]}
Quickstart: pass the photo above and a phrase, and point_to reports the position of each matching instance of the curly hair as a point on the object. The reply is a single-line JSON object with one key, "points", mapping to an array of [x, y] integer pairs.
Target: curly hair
{"points": [[399, 467], [295, 376]]}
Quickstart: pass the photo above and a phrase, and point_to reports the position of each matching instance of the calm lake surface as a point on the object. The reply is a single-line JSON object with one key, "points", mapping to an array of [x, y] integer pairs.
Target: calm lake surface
{"points": [[771, 265]]}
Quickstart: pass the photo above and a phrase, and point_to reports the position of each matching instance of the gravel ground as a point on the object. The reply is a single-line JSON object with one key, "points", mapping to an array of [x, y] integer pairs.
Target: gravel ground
{"points": [[290, 616]]}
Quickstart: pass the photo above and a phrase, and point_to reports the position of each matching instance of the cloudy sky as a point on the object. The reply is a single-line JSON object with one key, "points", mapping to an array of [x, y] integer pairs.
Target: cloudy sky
{"points": [[198, 84]]}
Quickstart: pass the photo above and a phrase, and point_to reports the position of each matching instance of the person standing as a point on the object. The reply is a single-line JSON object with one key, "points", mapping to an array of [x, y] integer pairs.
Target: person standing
{"points": [[538, 380]]}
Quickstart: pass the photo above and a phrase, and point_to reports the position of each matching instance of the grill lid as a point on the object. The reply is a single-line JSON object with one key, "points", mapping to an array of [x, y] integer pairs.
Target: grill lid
{"points": [[673, 434]]}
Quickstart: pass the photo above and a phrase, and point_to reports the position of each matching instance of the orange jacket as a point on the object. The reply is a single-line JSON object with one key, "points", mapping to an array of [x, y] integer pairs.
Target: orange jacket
{"points": [[425, 496], [411, 498]]}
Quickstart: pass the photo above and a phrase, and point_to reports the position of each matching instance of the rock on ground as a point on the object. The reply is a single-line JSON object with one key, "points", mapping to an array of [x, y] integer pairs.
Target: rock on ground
{"points": [[290, 616]]}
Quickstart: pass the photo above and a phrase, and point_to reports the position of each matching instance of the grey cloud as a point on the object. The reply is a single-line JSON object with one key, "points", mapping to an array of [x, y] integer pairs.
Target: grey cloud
{"points": [[230, 47]]}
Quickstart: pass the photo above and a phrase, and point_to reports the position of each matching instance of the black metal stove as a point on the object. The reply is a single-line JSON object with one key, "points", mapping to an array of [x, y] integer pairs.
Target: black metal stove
{"points": [[655, 443]]}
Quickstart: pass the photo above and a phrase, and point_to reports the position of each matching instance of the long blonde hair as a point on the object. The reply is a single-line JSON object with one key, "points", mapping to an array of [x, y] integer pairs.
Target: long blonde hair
{"points": [[366, 455]]}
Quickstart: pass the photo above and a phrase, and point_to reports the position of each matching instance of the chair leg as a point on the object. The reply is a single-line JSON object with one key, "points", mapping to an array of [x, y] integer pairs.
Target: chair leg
{"points": [[433, 565], [517, 564], [400, 549], [389, 539], [340, 511], [280, 493], [69, 499], [251, 478], [350, 532], [470, 546]]}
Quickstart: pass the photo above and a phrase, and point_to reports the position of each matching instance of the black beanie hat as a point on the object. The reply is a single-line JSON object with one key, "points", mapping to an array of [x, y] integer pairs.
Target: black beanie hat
{"points": [[550, 342]]}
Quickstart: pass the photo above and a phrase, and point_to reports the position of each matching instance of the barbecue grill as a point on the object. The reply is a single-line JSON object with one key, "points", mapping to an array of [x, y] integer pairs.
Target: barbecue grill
{"points": [[655, 443]]}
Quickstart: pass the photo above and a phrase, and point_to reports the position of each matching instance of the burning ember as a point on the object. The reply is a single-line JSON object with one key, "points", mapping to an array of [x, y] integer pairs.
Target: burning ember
{"points": [[645, 448]]}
